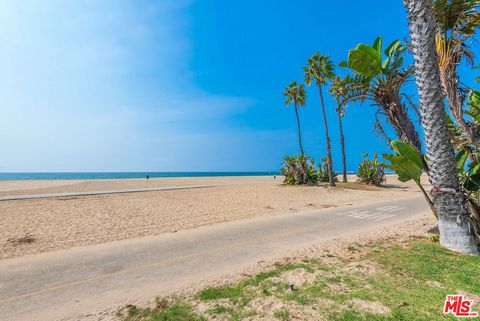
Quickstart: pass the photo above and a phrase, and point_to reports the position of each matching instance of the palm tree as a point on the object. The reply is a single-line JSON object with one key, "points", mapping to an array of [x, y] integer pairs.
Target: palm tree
{"points": [[454, 222], [296, 93], [381, 81], [456, 22], [336, 89], [320, 68]]}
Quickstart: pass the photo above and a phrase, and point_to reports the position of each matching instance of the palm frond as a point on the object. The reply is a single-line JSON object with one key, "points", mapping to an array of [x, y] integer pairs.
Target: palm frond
{"points": [[295, 93], [456, 19], [378, 129], [319, 68], [353, 88]]}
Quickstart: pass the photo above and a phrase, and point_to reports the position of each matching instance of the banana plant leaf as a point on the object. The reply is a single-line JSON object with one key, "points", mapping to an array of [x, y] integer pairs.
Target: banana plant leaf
{"points": [[461, 159], [407, 151], [473, 103], [364, 60], [405, 168], [407, 164], [472, 184]]}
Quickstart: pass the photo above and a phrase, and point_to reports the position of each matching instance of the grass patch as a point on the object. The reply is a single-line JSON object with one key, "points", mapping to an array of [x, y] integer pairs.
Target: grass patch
{"points": [[237, 291], [230, 292], [218, 309], [177, 312], [410, 283], [282, 314]]}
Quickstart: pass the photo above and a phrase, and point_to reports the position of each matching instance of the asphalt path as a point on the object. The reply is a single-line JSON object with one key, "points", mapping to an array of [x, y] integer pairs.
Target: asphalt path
{"points": [[105, 192], [67, 284]]}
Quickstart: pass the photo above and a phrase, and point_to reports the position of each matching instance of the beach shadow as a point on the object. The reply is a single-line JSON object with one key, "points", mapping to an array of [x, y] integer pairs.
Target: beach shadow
{"points": [[396, 186]]}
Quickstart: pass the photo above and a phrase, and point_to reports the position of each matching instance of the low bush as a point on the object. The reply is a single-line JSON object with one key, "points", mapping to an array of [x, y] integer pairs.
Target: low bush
{"points": [[323, 171], [371, 172], [299, 170]]}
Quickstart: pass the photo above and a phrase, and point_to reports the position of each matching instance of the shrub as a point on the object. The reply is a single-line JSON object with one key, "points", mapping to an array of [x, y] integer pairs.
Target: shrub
{"points": [[323, 171], [371, 172], [299, 170]]}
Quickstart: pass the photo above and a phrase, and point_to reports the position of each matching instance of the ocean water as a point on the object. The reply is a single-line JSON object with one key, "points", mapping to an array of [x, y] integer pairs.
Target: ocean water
{"points": [[121, 175]]}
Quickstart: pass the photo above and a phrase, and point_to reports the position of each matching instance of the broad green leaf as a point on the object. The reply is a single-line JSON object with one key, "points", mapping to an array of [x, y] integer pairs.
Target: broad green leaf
{"points": [[409, 167], [450, 122], [385, 63], [473, 103], [461, 159], [392, 47], [405, 168], [449, 119], [403, 176], [473, 183], [407, 151], [474, 169], [388, 157], [377, 45], [398, 62], [365, 60], [474, 99]]}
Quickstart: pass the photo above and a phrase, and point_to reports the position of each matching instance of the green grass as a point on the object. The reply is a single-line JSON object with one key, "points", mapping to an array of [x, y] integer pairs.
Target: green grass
{"points": [[177, 312], [239, 292], [411, 279], [282, 314]]}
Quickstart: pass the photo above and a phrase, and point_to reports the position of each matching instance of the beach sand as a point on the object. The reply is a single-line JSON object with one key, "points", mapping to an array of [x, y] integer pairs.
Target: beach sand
{"points": [[40, 225]]}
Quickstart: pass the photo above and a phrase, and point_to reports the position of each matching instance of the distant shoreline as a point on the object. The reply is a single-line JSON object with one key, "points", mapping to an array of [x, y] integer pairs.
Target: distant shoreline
{"points": [[21, 176], [48, 176]]}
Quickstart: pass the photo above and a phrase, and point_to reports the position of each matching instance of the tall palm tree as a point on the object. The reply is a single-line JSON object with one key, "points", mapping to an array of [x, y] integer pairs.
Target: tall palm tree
{"points": [[381, 81], [454, 222], [296, 93], [456, 21], [336, 89], [320, 68]]}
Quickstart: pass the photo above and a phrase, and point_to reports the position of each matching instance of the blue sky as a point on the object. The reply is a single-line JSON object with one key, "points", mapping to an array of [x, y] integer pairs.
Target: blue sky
{"points": [[175, 85]]}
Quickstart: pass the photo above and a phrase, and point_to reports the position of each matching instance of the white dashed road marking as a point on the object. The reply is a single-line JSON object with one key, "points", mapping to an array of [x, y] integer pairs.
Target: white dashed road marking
{"points": [[377, 214]]}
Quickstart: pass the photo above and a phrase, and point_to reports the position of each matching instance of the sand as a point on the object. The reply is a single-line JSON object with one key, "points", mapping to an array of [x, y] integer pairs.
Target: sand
{"points": [[34, 226]]}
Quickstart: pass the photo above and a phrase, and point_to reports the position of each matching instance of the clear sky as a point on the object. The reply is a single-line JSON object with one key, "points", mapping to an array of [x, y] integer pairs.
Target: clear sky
{"points": [[175, 85]]}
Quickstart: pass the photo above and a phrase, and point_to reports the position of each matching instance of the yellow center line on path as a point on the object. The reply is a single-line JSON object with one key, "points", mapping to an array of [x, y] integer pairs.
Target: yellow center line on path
{"points": [[162, 262]]}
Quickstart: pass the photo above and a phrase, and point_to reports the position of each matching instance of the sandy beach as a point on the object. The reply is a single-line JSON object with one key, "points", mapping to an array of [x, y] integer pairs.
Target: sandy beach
{"points": [[34, 226]]}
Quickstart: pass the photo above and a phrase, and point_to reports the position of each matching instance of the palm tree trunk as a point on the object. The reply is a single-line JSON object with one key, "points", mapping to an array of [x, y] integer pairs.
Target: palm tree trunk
{"points": [[298, 127], [331, 178], [398, 116], [342, 141], [454, 222]]}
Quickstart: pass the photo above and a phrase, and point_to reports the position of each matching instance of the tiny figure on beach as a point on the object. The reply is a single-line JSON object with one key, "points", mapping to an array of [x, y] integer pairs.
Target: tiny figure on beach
{"points": [[274, 176], [147, 177]]}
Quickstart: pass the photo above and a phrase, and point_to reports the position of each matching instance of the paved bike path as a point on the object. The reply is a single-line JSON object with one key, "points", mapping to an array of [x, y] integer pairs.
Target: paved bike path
{"points": [[69, 283], [105, 192]]}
